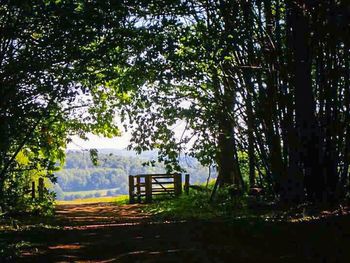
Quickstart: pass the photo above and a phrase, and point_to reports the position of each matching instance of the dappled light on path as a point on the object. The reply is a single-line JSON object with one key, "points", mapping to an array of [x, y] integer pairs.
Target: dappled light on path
{"points": [[68, 247], [106, 232], [100, 213]]}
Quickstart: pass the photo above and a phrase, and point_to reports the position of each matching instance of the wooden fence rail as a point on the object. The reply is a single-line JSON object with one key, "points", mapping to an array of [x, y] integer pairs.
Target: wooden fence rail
{"points": [[148, 185], [40, 189]]}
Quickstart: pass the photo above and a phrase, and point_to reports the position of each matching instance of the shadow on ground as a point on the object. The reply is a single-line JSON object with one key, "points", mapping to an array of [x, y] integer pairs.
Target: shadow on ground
{"points": [[111, 233]]}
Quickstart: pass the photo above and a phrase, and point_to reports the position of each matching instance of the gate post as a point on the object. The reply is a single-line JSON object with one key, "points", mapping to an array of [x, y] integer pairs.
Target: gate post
{"points": [[177, 184], [187, 184], [138, 188], [148, 186], [131, 190], [33, 190], [41, 188]]}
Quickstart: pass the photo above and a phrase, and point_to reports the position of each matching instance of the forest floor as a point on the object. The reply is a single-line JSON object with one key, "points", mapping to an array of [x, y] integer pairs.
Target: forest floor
{"points": [[107, 232]]}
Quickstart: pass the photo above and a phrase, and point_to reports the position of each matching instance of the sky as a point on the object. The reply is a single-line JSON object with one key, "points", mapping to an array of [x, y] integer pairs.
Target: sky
{"points": [[120, 143], [99, 142]]}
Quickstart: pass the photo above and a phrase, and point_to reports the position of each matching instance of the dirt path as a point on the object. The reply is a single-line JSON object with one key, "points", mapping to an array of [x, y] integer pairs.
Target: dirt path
{"points": [[106, 232], [100, 214]]}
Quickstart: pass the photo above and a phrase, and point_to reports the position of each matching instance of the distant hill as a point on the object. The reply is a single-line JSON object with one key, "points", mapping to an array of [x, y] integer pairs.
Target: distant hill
{"points": [[125, 153], [80, 178]]}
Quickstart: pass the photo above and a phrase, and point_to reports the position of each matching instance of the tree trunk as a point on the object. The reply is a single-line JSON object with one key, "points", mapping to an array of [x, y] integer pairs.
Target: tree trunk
{"points": [[247, 76], [225, 155], [306, 125]]}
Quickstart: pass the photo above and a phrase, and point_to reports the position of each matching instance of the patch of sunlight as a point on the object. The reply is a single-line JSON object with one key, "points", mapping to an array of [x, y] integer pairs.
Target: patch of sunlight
{"points": [[67, 247], [122, 199]]}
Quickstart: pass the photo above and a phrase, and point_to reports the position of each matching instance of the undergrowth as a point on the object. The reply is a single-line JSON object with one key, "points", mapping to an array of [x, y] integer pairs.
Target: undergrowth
{"points": [[197, 205], [10, 251]]}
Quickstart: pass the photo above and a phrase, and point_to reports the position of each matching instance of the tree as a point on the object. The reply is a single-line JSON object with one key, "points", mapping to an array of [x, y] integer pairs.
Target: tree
{"points": [[241, 76], [192, 85], [243, 73], [48, 80]]}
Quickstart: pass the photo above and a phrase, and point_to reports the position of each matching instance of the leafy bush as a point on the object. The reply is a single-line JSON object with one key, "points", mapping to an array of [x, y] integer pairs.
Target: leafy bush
{"points": [[194, 205], [197, 205], [17, 199]]}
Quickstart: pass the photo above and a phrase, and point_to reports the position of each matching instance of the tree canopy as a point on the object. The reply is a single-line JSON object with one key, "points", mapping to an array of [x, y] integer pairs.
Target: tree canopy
{"points": [[268, 78]]}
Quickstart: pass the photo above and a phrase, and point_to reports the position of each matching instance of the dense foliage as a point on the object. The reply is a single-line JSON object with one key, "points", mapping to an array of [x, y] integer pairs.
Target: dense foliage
{"points": [[263, 79], [48, 56], [270, 78]]}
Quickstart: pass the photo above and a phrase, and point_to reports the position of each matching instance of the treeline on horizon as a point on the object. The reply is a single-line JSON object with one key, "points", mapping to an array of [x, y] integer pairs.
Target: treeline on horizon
{"points": [[111, 174]]}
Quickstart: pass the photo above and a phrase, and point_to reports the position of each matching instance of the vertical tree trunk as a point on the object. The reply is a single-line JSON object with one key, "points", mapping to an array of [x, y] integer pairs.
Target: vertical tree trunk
{"points": [[247, 76], [344, 180], [225, 156], [228, 167], [227, 159], [271, 105], [306, 125]]}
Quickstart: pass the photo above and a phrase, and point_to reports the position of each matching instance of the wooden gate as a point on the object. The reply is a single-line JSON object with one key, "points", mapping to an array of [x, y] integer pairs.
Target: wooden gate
{"points": [[40, 189], [145, 186]]}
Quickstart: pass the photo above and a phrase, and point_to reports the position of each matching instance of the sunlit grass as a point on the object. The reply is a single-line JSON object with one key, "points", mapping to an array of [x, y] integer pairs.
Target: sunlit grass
{"points": [[121, 199], [102, 192], [184, 207], [193, 206]]}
